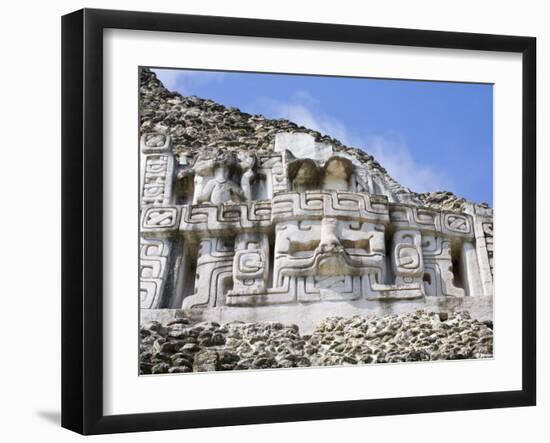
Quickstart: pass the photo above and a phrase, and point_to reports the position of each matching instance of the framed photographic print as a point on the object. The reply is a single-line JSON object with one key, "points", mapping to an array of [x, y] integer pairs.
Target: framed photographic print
{"points": [[270, 221]]}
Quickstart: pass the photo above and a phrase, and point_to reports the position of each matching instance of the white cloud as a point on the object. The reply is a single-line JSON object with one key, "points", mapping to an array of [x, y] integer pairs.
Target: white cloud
{"points": [[396, 157], [305, 97], [301, 115], [391, 152]]}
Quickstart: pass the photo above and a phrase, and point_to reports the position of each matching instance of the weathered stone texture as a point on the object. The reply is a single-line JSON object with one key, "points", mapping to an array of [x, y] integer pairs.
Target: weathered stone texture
{"points": [[239, 211], [180, 346]]}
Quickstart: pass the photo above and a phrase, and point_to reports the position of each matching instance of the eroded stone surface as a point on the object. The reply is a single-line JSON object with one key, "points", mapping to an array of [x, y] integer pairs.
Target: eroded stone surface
{"points": [[208, 346]]}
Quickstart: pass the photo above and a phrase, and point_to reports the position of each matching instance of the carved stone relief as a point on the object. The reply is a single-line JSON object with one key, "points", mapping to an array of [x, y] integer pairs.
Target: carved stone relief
{"points": [[251, 263], [156, 193], [407, 261], [157, 183], [440, 273], [153, 258], [215, 179], [488, 231], [214, 277], [280, 227]]}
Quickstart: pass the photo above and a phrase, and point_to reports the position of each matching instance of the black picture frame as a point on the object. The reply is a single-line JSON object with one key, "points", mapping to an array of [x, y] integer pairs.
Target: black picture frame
{"points": [[82, 220]]}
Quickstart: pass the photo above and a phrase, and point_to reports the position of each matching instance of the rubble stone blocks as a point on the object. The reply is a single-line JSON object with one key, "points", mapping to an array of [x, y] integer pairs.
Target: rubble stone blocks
{"points": [[179, 346], [239, 212]]}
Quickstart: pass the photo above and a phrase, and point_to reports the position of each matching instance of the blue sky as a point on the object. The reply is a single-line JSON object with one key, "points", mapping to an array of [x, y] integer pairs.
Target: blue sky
{"points": [[430, 136]]}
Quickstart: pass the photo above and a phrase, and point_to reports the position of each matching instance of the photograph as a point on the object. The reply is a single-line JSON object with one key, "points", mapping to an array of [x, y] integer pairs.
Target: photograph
{"points": [[291, 220], [270, 222]]}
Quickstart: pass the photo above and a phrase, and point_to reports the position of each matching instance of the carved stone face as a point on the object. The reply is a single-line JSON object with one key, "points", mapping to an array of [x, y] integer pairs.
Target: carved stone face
{"points": [[327, 247]]}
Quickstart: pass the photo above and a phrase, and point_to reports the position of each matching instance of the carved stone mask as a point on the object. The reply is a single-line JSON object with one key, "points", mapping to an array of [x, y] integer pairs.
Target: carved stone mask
{"points": [[328, 247]]}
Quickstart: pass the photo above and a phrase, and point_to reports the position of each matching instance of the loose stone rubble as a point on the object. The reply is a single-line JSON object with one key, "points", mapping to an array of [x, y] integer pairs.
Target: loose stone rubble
{"points": [[180, 346]]}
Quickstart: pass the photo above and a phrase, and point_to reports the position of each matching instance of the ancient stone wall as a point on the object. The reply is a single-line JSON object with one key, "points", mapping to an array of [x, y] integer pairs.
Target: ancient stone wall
{"points": [[240, 214]]}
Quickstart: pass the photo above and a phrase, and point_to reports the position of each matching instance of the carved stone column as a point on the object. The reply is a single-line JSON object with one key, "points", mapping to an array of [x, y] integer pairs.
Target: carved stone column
{"points": [[484, 249], [157, 170], [470, 270], [153, 257], [439, 279], [157, 179], [251, 263], [406, 259], [482, 221], [214, 276]]}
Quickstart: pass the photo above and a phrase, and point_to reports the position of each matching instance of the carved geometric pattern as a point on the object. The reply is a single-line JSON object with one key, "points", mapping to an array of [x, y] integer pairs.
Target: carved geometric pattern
{"points": [[417, 218], [431, 221], [373, 290], [214, 276], [153, 258], [249, 264], [438, 267], [155, 143], [339, 288], [489, 242], [407, 256], [319, 204], [160, 219], [157, 181], [225, 219], [156, 190], [457, 224], [275, 163]]}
